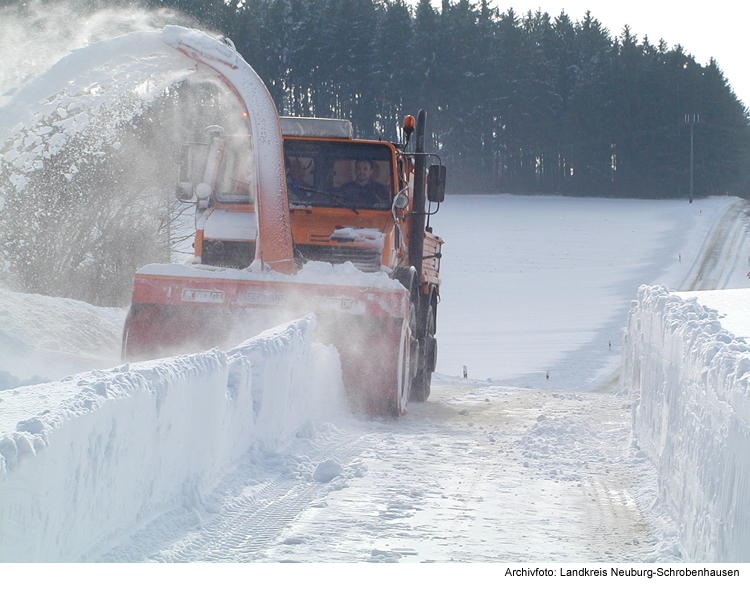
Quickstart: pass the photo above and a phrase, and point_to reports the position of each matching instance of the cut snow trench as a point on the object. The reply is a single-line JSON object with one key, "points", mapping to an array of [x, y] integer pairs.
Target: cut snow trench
{"points": [[458, 478], [108, 451]]}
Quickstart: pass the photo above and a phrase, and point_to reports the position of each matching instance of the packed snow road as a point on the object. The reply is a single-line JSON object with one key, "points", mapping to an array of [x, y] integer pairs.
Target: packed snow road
{"points": [[475, 474], [720, 256]]}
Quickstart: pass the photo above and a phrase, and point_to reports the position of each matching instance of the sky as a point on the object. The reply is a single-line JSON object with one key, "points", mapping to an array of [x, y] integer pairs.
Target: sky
{"points": [[717, 29]]}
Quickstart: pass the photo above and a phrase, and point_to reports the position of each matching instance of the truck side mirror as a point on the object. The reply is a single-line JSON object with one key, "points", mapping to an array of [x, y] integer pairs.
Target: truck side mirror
{"points": [[436, 183], [190, 171]]}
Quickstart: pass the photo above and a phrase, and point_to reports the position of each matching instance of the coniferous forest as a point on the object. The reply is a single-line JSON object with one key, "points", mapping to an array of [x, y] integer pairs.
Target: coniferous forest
{"points": [[516, 103]]}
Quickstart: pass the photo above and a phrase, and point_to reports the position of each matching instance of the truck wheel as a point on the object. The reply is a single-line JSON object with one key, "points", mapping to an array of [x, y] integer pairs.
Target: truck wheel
{"points": [[404, 369], [407, 276], [420, 386]]}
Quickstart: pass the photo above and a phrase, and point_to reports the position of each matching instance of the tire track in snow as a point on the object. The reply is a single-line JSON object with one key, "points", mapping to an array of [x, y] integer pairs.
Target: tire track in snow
{"points": [[246, 513], [715, 262], [522, 475], [484, 474], [245, 525]]}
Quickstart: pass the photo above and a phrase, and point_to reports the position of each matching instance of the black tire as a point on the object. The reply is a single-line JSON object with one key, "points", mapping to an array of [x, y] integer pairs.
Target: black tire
{"points": [[406, 379], [407, 276], [420, 385]]}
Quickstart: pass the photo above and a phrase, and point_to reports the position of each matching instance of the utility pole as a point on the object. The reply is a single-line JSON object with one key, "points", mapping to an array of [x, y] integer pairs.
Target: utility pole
{"points": [[691, 120]]}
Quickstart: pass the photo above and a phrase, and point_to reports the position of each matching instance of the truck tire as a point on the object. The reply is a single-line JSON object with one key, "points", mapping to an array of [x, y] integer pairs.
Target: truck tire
{"points": [[404, 372], [407, 276], [420, 386]]}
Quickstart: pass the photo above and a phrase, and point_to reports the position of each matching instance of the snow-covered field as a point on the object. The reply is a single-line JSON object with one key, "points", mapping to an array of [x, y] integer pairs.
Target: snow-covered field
{"points": [[536, 284]]}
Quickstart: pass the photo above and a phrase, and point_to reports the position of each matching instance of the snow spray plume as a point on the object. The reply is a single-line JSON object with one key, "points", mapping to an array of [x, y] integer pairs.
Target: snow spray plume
{"points": [[36, 34], [90, 151], [85, 221], [370, 348], [367, 355]]}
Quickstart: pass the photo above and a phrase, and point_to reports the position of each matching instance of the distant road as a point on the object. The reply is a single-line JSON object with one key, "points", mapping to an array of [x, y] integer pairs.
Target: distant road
{"points": [[713, 266], [719, 256]]}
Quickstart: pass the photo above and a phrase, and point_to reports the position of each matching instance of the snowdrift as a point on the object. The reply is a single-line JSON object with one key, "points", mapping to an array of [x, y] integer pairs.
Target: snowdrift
{"points": [[688, 376], [84, 458], [43, 339]]}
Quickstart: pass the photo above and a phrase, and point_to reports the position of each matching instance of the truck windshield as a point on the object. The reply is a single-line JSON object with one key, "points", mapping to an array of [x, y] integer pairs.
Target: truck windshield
{"points": [[338, 174]]}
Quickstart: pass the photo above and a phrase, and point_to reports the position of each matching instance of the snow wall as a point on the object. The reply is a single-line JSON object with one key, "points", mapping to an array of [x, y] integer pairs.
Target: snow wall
{"points": [[101, 451], [688, 378]]}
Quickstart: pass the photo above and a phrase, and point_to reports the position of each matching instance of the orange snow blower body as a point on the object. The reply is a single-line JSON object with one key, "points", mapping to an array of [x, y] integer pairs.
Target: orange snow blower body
{"points": [[311, 221]]}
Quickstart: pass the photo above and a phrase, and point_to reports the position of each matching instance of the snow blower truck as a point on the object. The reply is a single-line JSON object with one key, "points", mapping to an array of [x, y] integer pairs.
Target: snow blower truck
{"points": [[296, 217]]}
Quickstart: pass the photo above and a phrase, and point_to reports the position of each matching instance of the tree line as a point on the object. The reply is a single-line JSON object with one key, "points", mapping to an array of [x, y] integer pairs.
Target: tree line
{"points": [[516, 103]]}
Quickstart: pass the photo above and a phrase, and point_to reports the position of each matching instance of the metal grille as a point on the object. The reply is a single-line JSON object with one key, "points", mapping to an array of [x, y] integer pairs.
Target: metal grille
{"points": [[365, 259], [220, 253]]}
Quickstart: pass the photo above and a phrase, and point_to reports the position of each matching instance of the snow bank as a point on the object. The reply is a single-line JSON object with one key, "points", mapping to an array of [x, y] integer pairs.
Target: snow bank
{"points": [[688, 376], [44, 338], [84, 458]]}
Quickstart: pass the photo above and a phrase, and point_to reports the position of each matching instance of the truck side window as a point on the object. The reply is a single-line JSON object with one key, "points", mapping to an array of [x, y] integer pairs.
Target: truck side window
{"points": [[236, 181]]}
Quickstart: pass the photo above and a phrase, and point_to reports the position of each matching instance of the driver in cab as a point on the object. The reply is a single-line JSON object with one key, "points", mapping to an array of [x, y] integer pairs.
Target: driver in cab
{"points": [[365, 191]]}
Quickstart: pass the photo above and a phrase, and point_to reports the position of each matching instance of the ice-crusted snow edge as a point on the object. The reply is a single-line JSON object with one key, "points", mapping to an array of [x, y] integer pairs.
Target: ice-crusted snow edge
{"points": [[688, 377], [102, 451]]}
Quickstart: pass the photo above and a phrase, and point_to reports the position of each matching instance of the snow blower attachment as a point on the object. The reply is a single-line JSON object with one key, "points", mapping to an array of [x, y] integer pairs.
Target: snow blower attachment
{"points": [[309, 222]]}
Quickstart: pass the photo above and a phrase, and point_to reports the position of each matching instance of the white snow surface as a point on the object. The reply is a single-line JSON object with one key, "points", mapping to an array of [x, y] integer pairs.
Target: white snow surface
{"points": [[481, 472], [688, 376], [731, 307], [313, 273], [87, 460], [368, 236], [44, 339], [251, 455], [534, 284]]}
